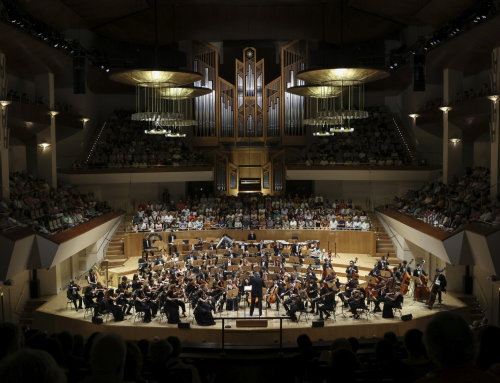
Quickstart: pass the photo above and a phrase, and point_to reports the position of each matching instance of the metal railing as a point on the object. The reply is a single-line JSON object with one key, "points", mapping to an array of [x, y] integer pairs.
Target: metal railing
{"points": [[482, 295]]}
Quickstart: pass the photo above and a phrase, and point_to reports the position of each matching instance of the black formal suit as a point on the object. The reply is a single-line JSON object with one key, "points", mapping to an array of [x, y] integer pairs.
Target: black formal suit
{"points": [[257, 286], [402, 271], [146, 245], [442, 285], [171, 238], [73, 296], [276, 249], [327, 304], [252, 237], [382, 265], [159, 262], [348, 269], [211, 247], [295, 249], [89, 303], [264, 263], [260, 248], [417, 273], [280, 291]]}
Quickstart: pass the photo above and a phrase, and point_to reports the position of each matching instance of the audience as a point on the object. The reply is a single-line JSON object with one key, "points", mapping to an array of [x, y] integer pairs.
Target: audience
{"points": [[453, 206], [124, 144], [374, 141], [34, 204], [255, 213]]}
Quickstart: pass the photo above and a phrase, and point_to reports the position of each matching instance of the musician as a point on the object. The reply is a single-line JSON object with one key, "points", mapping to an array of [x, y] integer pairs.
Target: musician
{"points": [[392, 300], [89, 301], [150, 302], [146, 245], [146, 268], [349, 287], [257, 284], [211, 246], [189, 260], [136, 283], [110, 304], [229, 263], [246, 254], [404, 268], [261, 246], [92, 278], [326, 302], [441, 284], [310, 274], [175, 257], [351, 268], [172, 305], [296, 248], [231, 304], [122, 297], [296, 304], [418, 272], [277, 248], [314, 246], [293, 292], [226, 245], [99, 291], [279, 290], [252, 236], [382, 264], [263, 262], [73, 295], [171, 239], [375, 272], [140, 305], [159, 261], [395, 274], [357, 301], [312, 291]]}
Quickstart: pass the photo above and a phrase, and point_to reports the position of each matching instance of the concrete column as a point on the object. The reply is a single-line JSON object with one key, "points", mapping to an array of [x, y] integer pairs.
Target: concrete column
{"points": [[452, 136], [495, 124], [4, 132], [46, 139]]}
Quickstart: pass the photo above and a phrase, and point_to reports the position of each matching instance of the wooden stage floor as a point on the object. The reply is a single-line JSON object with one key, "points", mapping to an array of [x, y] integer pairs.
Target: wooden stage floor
{"points": [[54, 317]]}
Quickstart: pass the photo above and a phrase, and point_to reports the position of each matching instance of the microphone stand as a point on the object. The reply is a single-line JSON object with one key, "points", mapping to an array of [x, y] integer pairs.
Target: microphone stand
{"points": [[336, 255]]}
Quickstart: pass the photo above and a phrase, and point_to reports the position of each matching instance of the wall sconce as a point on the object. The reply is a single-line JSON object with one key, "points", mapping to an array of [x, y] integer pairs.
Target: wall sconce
{"points": [[53, 113], [44, 145], [414, 115], [455, 140], [445, 109], [494, 98], [85, 120], [5, 103]]}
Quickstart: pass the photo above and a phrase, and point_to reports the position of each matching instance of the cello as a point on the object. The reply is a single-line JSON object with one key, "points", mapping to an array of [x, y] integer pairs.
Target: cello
{"points": [[405, 282], [272, 297], [422, 291], [434, 290]]}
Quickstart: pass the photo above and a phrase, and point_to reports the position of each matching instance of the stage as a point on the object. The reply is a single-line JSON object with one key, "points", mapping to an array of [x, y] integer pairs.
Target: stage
{"points": [[54, 317]]}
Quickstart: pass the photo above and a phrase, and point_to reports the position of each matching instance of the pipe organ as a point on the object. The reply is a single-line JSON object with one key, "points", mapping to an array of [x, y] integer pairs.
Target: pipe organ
{"points": [[249, 110]]}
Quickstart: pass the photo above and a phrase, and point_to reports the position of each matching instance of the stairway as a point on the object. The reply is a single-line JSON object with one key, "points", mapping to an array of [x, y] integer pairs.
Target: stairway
{"points": [[475, 310], [29, 308], [396, 123], [115, 254], [384, 246]]}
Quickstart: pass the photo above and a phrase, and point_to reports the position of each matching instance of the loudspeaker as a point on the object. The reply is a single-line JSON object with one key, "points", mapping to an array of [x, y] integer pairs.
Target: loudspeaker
{"points": [[407, 317], [35, 289], [318, 323], [79, 75], [467, 284], [96, 320], [184, 325], [418, 72]]}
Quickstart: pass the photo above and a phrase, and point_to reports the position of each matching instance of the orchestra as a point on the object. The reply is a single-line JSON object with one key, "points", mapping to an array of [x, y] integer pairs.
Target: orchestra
{"points": [[201, 279]]}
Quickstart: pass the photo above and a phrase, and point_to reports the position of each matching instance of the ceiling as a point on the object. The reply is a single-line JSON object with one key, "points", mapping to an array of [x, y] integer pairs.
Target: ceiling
{"points": [[216, 20]]}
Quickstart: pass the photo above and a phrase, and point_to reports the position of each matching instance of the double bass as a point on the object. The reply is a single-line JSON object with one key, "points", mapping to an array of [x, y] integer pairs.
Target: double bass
{"points": [[422, 291], [432, 295], [405, 282]]}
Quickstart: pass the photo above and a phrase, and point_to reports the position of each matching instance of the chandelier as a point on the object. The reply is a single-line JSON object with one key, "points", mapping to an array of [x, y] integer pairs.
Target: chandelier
{"points": [[339, 94], [161, 100]]}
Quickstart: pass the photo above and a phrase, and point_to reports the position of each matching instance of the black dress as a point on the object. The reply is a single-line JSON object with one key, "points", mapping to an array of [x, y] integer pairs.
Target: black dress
{"points": [[171, 309], [203, 314], [389, 305]]}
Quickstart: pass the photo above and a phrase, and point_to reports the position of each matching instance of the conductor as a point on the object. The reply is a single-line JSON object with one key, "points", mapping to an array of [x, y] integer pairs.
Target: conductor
{"points": [[257, 284]]}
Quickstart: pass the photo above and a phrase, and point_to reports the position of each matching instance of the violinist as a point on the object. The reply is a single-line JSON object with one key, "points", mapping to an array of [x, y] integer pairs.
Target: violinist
{"points": [[202, 313], [73, 295], [231, 304], [392, 300], [276, 288], [99, 291], [159, 261], [151, 300], [124, 295], [382, 264], [141, 305], [310, 274], [349, 287], [171, 307], [312, 291], [326, 302], [404, 268], [136, 283], [293, 294], [439, 280], [351, 268], [89, 301], [357, 301], [246, 262], [92, 278], [111, 306]]}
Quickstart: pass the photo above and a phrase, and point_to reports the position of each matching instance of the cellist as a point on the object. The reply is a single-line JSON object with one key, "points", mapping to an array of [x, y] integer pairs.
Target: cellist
{"points": [[404, 268], [312, 291], [276, 289]]}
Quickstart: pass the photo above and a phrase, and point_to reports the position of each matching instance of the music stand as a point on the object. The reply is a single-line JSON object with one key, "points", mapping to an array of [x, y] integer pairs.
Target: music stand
{"points": [[385, 274], [221, 260], [274, 269], [294, 260], [232, 268], [309, 261], [232, 294], [198, 262], [246, 268], [249, 289]]}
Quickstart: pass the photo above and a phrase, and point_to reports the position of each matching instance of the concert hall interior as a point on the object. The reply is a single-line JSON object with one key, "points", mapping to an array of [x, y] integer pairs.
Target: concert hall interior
{"points": [[204, 190]]}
